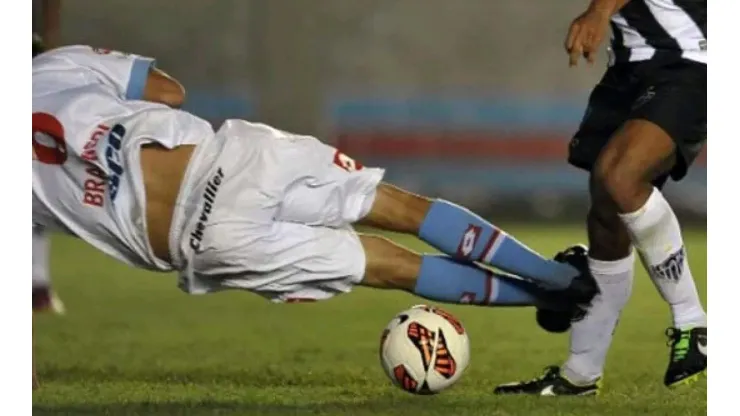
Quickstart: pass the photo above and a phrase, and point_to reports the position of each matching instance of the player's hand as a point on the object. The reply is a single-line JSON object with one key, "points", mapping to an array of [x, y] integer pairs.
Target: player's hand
{"points": [[586, 34]]}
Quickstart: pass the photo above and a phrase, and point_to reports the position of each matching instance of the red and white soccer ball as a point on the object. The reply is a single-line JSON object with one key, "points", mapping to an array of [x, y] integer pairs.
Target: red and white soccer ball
{"points": [[424, 350]]}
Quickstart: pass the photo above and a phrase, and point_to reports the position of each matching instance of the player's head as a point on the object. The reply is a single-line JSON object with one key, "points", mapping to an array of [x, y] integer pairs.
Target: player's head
{"points": [[38, 45]]}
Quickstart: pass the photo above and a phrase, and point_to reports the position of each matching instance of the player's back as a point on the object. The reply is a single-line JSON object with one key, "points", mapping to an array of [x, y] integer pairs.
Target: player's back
{"points": [[88, 130]]}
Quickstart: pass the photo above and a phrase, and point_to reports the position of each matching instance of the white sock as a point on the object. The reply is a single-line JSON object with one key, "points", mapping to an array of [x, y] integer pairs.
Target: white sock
{"points": [[40, 258], [590, 338], [657, 235]]}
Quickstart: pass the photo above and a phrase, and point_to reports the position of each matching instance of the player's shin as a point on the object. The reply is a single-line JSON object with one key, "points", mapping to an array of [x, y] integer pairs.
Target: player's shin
{"points": [[460, 233], [657, 234], [443, 279], [591, 337]]}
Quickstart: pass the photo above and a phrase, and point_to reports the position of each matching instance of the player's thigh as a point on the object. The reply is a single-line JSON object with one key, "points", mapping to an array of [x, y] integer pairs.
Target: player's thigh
{"points": [[283, 262], [295, 178], [671, 107], [608, 107], [327, 187]]}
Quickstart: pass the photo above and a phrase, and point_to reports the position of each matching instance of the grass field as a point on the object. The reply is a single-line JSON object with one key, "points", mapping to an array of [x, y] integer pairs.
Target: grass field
{"points": [[132, 343]]}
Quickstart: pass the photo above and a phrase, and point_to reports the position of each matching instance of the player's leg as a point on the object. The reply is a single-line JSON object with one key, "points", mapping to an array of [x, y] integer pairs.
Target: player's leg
{"points": [[611, 262], [289, 262], [663, 135], [666, 131], [327, 188], [609, 258], [460, 233], [443, 279], [44, 298], [641, 152], [591, 336], [610, 250]]}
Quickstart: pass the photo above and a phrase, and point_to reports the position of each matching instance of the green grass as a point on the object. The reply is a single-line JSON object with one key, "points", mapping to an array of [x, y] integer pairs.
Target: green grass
{"points": [[132, 343]]}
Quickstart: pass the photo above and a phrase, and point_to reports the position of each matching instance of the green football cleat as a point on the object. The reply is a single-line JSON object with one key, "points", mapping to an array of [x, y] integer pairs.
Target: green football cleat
{"points": [[551, 383], [688, 358]]}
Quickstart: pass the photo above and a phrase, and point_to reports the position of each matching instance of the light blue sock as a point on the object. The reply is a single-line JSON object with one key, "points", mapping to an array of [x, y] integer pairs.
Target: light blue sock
{"points": [[461, 234], [444, 279]]}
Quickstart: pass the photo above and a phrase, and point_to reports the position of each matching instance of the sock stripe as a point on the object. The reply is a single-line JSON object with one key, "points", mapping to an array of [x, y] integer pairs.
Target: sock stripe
{"points": [[457, 232], [488, 289], [491, 247]]}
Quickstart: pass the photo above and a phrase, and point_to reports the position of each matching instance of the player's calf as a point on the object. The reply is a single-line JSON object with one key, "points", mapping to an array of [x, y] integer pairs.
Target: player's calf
{"points": [[443, 279], [466, 236]]}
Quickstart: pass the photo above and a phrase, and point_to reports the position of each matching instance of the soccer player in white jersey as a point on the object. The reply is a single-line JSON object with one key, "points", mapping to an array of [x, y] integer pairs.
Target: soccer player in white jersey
{"points": [[646, 121], [249, 206]]}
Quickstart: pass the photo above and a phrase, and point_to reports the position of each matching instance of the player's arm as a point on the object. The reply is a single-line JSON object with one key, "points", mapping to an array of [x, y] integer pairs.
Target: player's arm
{"points": [[131, 76], [588, 30], [51, 11], [162, 88], [608, 6]]}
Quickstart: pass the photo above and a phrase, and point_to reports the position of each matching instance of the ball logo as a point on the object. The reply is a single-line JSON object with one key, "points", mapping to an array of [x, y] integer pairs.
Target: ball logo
{"points": [[433, 356], [468, 241], [449, 318], [404, 379], [423, 339], [444, 364]]}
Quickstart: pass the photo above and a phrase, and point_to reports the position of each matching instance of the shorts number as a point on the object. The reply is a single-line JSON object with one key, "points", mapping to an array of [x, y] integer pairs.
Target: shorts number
{"points": [[347, 163], [49, 145]]}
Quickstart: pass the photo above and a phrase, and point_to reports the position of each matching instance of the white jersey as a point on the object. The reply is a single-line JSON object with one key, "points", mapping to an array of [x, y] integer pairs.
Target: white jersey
{"points": [[88, 127], [661, 30]]}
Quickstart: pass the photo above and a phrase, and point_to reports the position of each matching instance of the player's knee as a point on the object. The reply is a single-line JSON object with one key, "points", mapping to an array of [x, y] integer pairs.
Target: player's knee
{"points": [[616, 180], [389, 265], [397, 209]]}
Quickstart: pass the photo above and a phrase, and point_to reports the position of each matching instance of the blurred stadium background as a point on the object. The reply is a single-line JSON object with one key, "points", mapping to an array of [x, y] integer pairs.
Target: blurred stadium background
{"points": [[469, 100]]}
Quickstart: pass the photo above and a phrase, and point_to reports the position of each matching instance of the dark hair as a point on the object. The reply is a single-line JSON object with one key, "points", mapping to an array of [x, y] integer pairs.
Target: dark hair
{"points": [[38, 45]]}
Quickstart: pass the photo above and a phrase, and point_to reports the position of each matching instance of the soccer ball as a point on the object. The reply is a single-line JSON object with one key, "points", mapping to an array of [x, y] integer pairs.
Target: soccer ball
{"points": [[424, 350]]}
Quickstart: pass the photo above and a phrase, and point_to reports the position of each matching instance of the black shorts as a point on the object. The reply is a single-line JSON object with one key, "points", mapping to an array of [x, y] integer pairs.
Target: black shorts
{"points": [[673, 95]]}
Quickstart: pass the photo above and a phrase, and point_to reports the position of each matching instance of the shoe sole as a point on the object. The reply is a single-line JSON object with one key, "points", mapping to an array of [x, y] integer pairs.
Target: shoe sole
{"points": [[585, 394], [688, 380]]}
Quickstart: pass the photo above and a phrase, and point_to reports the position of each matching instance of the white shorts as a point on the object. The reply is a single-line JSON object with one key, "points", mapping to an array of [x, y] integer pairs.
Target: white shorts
{"points": [[271, 212]]}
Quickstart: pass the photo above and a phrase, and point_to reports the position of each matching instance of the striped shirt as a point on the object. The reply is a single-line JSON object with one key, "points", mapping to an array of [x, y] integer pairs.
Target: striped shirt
{"points": [[661, 30]]}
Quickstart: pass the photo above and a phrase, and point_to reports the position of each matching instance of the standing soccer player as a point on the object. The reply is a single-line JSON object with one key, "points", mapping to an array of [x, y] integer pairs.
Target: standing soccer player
{"points": [[46, 35], [645, 122]]}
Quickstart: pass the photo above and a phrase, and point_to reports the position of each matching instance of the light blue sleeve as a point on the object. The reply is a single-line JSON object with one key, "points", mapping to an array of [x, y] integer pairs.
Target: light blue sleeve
{"points": [[137, 79]]}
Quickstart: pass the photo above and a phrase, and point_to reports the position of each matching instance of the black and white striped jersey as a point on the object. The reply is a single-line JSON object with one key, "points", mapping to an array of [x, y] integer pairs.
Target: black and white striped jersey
{"points": [[659, 29]]}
